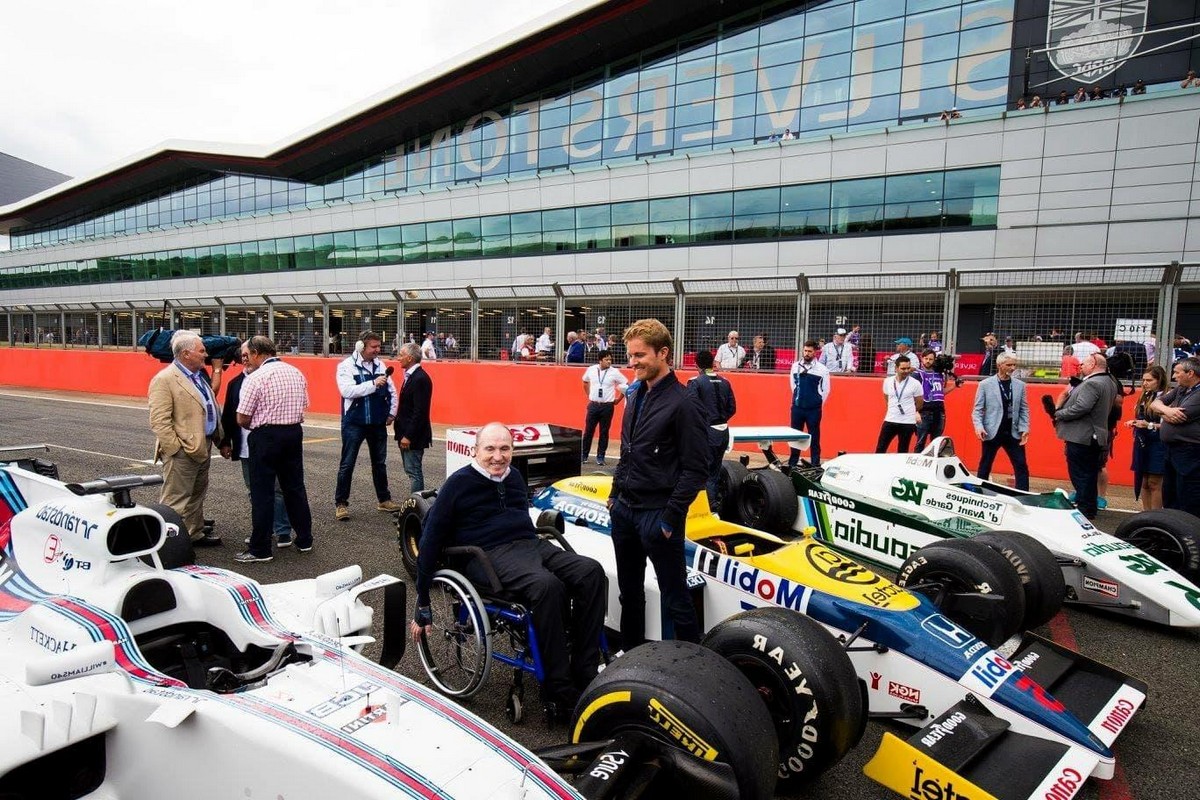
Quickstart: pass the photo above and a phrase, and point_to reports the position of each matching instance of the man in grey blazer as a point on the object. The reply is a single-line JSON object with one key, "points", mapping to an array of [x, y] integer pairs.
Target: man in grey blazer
{"points": [[1082, 422], [1001, 419]]}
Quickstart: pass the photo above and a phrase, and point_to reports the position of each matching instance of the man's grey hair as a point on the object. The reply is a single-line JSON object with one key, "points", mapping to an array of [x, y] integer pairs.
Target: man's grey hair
{"points": [[412, 350], [183, 341], [1005, 358], [1189, 364]]}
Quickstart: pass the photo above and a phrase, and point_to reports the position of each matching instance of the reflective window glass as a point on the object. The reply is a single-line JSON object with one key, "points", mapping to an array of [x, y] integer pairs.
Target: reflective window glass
{"points": [[712, 205]]}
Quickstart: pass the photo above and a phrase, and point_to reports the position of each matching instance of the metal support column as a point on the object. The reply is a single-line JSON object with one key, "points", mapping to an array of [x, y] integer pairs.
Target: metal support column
{"points": [[677, 333], [560, 321], [324, 324], [99, 331], [950, 313], [473, 350], [802, 306], [1167, 316]]}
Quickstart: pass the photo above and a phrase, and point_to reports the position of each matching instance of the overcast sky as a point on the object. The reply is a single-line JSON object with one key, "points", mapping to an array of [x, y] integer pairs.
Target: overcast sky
{"points": [[90, 82]]}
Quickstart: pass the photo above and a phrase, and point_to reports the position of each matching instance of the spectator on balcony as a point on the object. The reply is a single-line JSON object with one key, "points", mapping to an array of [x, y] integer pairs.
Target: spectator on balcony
{"points": [[1120, 91], [1063, 98], [1036, 102], [1021, 105], [731, 355], [1139, 87], [1080, 95], [1097, 93], [788, 135], [903, 352], [1190, 80], [840, 355], [762, 356]]}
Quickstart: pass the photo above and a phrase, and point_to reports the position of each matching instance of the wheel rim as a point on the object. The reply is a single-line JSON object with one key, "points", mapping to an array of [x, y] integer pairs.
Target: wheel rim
{"points": [[770, 688], [1161, 544], [455, 653], [754, 503]]}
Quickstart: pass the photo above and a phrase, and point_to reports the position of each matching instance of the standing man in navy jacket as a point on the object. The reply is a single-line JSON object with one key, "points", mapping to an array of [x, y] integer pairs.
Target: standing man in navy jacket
{"points": [[664, 458], [810, 389], [414, 432], [368, 406]]}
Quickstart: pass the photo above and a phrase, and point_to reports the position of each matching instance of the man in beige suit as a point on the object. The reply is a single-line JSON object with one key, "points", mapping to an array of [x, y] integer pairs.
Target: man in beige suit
{"points": [[186, 421]]}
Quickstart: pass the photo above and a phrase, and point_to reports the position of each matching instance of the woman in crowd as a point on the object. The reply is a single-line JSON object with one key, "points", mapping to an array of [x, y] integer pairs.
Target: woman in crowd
{"points": [[1149, 453]]}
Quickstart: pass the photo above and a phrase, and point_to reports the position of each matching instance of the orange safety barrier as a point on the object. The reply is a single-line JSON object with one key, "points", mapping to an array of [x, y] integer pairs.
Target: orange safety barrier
{"points": [[470, 393]]}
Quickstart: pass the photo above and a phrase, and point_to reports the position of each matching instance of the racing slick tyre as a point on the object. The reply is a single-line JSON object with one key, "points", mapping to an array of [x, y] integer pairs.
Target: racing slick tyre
{"points": [[767, 501], [457, 653], [410, 521], [1170, 535], [688, 697], [1041, 577], [177, 550], [807, 681], [729, 484], [971, 583]]}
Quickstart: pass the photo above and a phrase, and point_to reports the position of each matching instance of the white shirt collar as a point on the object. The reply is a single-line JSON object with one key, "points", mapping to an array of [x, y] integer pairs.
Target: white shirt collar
{"points": [[412, 369], [489, 475]]}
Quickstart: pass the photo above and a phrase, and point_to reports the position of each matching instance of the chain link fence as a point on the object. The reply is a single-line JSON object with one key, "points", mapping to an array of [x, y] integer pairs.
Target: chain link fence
{"points": [[1035, 312]]}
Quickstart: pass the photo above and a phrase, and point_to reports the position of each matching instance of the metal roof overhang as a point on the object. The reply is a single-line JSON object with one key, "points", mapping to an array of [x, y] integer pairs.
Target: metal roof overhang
{"points": [[575, 44]]}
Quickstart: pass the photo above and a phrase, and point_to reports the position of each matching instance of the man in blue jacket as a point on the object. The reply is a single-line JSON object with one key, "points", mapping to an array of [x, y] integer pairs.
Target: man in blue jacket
{"points": [[664, 458], [1001, 419], [486, 504], [369, 402]]}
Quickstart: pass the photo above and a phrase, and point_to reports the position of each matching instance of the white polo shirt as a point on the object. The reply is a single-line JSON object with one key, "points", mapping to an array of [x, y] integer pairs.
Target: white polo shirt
{"points": [[604, 383], [902, 399]]}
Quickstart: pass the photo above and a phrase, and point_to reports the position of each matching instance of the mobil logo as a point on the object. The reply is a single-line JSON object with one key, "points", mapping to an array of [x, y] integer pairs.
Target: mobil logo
{"points": [[780, 591]]}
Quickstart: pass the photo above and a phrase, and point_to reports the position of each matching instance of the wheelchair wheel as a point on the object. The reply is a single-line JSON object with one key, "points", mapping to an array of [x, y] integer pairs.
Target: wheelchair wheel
{"points": [[514, 708], [457, 654]]}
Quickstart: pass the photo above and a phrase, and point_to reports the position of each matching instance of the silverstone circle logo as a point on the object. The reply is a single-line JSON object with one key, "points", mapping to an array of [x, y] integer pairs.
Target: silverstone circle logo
{"points": [[1088, 40]]}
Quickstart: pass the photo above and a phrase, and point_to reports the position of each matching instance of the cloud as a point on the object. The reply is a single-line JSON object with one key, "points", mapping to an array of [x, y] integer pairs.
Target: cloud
{"points": [[125, 75]]}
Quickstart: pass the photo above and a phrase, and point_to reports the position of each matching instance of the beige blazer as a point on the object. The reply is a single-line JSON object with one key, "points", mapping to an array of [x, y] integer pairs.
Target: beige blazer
{"points": [[177, 416]]}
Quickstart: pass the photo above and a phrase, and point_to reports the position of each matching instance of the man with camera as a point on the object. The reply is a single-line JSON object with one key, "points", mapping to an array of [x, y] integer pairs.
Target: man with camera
{"points": [[934, 371]]}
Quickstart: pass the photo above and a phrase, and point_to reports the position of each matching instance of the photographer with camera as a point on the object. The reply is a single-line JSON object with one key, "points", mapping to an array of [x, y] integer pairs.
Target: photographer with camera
{"points": [[937, 380]]}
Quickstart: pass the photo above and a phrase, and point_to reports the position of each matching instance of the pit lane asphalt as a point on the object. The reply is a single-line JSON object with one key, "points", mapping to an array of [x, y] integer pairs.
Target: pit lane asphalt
{"points": [[1158, 756]]}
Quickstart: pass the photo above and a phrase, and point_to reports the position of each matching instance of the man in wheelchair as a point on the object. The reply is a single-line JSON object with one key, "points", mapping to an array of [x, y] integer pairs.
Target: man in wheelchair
{"points": [[486, 504]]}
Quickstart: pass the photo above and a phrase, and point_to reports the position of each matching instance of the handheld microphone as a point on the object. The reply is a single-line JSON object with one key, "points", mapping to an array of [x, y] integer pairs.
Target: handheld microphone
{"points": [[388, 372]]}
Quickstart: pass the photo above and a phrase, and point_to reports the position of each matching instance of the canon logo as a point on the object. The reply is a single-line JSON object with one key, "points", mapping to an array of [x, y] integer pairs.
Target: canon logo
{"points": [[1064, 788]]}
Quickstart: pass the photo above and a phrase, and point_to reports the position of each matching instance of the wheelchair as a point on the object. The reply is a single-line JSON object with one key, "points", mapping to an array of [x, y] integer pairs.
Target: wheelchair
{"points": [[476, 625]]}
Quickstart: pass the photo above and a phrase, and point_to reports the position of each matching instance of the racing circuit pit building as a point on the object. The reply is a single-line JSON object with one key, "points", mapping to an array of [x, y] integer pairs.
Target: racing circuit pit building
{"points": [[784, 167]]}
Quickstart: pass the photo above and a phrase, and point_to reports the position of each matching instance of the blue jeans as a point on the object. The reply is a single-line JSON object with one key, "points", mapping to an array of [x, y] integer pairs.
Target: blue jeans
{"points": [[637, 534], [352, 438], [413, 469], [283, 525]]}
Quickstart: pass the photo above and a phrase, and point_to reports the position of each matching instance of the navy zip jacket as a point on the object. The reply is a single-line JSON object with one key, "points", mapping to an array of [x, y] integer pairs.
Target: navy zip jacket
{"points": [[664, 457], [472, 510]]}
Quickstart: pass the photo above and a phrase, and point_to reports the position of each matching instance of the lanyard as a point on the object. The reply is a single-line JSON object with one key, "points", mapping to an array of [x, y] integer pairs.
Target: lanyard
{"points": [[600, 380], [898, 389]]}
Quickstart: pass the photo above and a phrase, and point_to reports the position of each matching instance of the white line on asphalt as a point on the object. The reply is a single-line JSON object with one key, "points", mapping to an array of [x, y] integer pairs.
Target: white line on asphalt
{"points": [[24, 396], [127, 459]]}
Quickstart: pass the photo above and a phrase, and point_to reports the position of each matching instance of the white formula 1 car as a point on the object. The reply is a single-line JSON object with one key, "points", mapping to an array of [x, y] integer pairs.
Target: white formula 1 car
{"points": [[822, 639], [120, 678], [887, 509]]}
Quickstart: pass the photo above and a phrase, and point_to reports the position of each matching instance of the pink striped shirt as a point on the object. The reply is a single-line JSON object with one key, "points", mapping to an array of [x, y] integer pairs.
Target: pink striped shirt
{"points": [[274, 394]]}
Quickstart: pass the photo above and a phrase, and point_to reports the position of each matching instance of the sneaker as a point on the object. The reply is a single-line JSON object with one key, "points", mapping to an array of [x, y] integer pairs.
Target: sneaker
{"points": [[390, 506], [283, 541], [584, 460], [1071, 497], [1101, 502], [247, 557], [600, 462], [341, 513], [304, 549]]}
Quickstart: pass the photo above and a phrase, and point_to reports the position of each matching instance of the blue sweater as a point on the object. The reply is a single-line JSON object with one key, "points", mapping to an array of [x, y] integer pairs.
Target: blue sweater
{"points": [[472, 510]]}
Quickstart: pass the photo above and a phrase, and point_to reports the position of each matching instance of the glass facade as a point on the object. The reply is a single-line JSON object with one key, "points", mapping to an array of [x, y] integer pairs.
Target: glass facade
{"points": [[797, 67], [909, 203]]}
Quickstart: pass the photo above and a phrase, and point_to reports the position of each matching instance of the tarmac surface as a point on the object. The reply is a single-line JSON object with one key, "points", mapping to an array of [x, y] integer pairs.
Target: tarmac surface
{"points": [[91, 436]]}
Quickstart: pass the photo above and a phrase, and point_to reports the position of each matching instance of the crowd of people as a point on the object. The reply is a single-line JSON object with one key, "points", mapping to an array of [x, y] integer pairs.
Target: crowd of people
{"points": [[673, 438]]}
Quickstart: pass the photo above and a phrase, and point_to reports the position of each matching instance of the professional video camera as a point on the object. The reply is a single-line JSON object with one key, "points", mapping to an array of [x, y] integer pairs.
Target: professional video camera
{"points": [[944, 363]]}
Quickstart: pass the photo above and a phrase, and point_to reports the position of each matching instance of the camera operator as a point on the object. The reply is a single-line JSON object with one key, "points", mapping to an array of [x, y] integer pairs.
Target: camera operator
{"points": [[937, 380]]}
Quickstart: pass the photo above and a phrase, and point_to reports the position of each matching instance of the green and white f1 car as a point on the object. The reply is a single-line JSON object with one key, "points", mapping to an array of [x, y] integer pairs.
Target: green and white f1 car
{"points": [[888, 509]]}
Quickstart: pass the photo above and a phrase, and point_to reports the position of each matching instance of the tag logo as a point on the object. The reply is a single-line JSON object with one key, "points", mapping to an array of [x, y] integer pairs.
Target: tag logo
{"points": [[1083, 36]]}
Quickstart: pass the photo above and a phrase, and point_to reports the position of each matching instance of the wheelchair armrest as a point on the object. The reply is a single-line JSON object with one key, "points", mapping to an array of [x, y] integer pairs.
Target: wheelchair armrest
{"points": [[471, 551], [547, 531]]}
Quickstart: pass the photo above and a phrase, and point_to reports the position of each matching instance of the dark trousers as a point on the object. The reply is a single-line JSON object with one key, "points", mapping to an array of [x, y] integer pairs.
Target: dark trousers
{"points": [[808, 419], [597, 414], [1083, 466], [353, 435], [277, 454], [900, 431], [560, 590], [1004, 440], [932, 424], [638, 534], [1181, 483], [716, 454]]}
